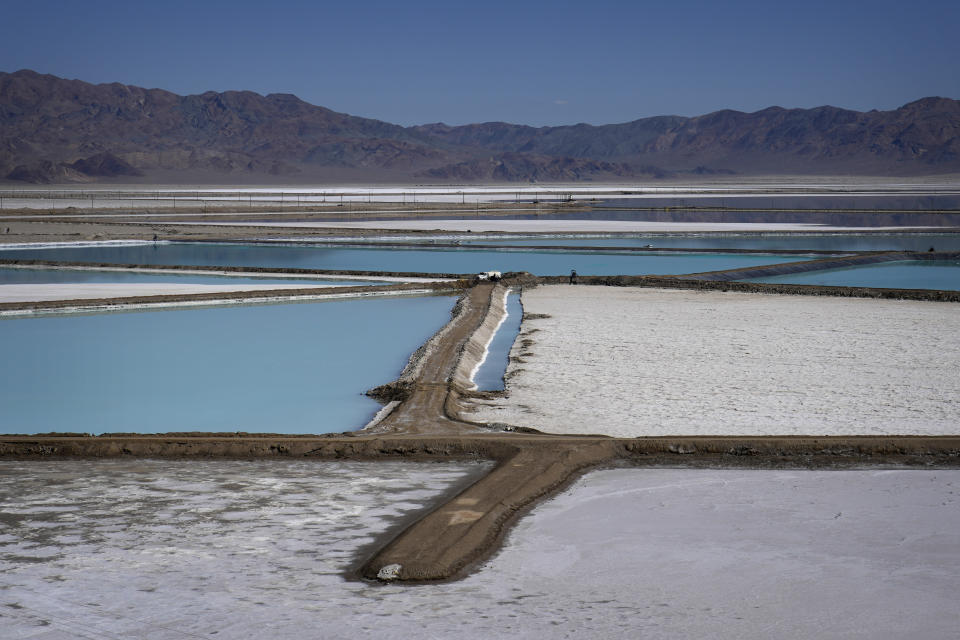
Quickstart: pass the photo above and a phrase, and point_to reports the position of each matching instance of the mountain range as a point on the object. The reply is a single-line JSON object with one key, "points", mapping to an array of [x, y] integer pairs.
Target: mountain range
{"points": [[54, 130]]}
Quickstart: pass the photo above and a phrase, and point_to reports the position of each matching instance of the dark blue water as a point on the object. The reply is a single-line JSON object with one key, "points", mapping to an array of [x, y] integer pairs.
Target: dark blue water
{"points": [[292, 368], [921, 274], [414, 259], [489, 376], [49, 276]]}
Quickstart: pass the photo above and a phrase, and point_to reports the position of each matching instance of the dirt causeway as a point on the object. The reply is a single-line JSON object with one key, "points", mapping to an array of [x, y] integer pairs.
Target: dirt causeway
{"points": [[426, 423]]}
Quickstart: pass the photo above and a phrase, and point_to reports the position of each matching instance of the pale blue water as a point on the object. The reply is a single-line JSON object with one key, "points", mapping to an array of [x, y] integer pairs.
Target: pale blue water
{"points": [[489, 376], [49, 276], [837, 242], [920, 274], [292, 368], [414, 259]]}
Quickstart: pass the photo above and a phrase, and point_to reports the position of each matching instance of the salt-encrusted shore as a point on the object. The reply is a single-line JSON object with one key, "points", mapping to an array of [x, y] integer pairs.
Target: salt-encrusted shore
{"points": [[35, 292], [631, 362], [452, 538], [549, 226]]}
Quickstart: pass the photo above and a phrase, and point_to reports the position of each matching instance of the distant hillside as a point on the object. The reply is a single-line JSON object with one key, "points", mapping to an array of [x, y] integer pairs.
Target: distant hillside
{"points": [[57, 130], [47, 123], [922, 137]]}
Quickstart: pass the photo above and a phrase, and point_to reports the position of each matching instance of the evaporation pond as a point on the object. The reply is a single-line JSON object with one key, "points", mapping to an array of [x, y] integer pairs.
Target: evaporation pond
{"points": [[291, 368], [489, 376], [907, 274], [769, 242], [417, 259], [18, 275]]}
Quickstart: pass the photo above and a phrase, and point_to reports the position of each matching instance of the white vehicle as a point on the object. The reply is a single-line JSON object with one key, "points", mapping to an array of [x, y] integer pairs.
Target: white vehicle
{"points": [[492, 276]]}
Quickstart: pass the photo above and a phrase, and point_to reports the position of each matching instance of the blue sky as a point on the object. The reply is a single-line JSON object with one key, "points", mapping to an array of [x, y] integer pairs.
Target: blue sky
{"points": [[526, 62]]}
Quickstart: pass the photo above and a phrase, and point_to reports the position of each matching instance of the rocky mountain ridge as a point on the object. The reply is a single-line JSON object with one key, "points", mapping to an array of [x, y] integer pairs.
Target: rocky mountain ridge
{"points": [[58, 130]]}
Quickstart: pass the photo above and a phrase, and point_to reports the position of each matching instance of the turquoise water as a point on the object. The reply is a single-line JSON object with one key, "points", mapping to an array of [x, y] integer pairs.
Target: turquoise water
{"points": [[919, 274], [489, 376], [292, 368], [71, 276], [414, 259], [862, 242]]}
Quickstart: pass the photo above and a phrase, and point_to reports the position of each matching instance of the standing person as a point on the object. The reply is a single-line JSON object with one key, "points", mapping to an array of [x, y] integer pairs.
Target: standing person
{"points": [[573, 276]]}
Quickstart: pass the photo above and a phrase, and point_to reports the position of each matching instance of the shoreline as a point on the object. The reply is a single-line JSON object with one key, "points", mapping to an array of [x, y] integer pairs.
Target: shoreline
{"points": [[87, 225], [631, 362], [466, 371], [489, 224], [234, 297], [452, 537], [449, 537]]}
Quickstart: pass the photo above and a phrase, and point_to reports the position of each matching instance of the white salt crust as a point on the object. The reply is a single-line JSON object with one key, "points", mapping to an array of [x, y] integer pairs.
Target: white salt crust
{"points": [[645, 362]]}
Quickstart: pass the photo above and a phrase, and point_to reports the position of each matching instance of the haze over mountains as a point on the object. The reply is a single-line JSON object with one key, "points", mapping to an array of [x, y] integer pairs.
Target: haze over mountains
{"points": [[54, 130]]}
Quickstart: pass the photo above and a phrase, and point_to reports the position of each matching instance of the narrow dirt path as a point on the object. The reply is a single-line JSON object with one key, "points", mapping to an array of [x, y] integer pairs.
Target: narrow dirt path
{"points": [[424, 411], [455, 536], [465, 530]]}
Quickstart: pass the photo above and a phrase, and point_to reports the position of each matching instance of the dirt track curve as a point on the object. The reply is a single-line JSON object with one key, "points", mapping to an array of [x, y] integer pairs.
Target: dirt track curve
{"points": [[426, 424]]}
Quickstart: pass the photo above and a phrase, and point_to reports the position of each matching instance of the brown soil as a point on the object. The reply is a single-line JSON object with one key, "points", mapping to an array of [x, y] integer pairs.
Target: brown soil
{"points": [[58, 225], [690, 282], [105, 304], [427, 424], [467, 528]]}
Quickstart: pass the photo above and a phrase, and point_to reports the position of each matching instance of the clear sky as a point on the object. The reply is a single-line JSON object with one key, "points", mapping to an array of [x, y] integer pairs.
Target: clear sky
{"points": [[538, 63]]}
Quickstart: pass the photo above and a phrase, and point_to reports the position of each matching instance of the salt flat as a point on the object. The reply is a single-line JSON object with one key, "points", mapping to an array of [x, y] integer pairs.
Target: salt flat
{"points": [[697, 553], [169, 549], [645, 362], [491, 224]]}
